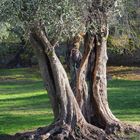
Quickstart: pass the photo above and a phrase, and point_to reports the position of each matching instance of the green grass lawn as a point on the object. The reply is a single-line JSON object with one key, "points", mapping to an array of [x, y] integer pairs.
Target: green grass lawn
{"points": [[24, 104], [124, 100]]}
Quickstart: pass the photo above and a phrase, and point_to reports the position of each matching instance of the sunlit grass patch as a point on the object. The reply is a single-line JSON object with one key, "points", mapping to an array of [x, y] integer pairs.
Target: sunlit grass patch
{"points": [[124, 99], [24, 103], [13, 123]]}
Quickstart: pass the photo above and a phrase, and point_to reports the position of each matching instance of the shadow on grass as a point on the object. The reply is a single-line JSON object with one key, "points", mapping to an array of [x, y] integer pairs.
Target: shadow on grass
{"points": [[20, 87], [123, 83], [28, 99], [23, 124], [14, 123], [25, 103], [21, 72]]}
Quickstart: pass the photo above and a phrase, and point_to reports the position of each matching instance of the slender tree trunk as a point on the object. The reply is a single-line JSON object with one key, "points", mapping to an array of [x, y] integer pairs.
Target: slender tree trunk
{"points": [[82, 94]]}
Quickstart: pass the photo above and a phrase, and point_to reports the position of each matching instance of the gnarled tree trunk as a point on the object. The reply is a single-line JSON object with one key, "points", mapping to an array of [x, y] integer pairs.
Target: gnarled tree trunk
{"points": [[83, 113], [82, 93], [69, 121], [81, 110], [103, 115], [91, 89]]}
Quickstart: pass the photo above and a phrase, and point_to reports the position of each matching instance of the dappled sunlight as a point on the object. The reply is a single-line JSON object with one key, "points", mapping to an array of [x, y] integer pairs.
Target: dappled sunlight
{"points": [[18, 95], [23, 122], [10, 75], [24, 104]]}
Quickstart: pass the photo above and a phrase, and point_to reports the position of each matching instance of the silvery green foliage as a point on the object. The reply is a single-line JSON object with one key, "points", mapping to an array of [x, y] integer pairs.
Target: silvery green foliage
{"points": [[62, 18], [4, 33], [65, 18], [99, 12]]}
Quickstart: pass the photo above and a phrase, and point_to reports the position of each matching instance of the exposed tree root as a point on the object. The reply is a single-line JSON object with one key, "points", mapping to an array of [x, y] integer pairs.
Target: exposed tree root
{"points": [[64, 132], [122, 131], [115, 127], [82, 131]]}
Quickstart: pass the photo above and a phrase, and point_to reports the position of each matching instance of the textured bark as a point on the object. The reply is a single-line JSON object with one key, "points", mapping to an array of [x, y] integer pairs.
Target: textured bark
{"points": [[103, 114], [92, 96], [69, 121], [82, 94], [103, 117], [91, 90], [83, 113], [46, 72], [74, 56]]}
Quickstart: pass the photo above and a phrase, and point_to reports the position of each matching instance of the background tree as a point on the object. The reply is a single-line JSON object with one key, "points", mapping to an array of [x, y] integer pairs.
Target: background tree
{"points": [[15, 49], [124, 32]]}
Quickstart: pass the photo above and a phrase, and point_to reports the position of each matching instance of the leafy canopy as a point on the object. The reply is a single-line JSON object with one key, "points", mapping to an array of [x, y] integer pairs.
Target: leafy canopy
{"points": [[62, 18]]}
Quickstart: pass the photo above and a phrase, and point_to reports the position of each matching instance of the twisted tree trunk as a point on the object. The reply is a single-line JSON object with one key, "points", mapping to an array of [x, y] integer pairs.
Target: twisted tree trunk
{"points": [[81, 110], [92, 95], [82, 90], [69, 121], [103, 114], [91, 89], [83, 113]]}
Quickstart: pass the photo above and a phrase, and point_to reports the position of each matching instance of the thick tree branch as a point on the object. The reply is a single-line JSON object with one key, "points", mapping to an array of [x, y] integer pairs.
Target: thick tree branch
{"points": [[46, 73], [82, 90]]}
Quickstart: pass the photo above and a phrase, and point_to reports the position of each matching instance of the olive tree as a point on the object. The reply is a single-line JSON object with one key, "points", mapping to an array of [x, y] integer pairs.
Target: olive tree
{"points": [[81, 111]]}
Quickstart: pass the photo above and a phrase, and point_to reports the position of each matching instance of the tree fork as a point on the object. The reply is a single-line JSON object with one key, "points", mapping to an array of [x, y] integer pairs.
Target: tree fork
{"points": [[70, 118]]}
